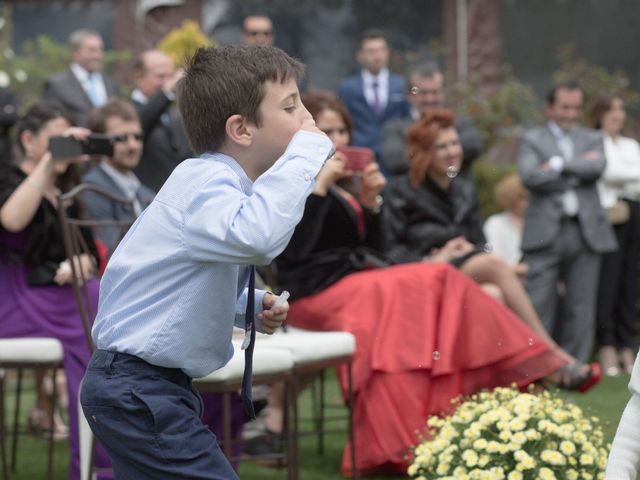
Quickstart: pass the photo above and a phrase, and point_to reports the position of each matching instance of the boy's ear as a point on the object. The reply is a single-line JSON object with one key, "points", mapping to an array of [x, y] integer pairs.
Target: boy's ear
{"points": [[238, 131]]}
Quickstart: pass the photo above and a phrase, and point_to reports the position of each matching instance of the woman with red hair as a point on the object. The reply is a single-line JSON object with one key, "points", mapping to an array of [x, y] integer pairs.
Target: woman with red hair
{"points": [[425, 333]]}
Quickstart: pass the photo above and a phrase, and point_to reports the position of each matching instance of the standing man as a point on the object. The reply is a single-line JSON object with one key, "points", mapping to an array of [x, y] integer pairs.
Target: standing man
{"points": [[425, 92], [83, 86], [257, 30], [165, 143], [114, 173], [374, 95], [565, 229]]}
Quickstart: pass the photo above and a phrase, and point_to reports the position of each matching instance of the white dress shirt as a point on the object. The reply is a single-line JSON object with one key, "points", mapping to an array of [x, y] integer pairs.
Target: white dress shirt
{"points": [[98, 82], [383, 87], [621, 176], [176, 283], [504, 237], [564, 140]]}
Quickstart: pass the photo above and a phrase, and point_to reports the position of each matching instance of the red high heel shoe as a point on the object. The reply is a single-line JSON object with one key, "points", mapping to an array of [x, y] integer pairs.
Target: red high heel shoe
{"points": [[573, 377]]}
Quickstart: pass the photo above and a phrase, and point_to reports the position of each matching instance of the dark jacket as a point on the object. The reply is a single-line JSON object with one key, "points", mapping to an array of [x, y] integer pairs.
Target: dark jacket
{"points": [[326, 246], [165, 143], [428, 217]]}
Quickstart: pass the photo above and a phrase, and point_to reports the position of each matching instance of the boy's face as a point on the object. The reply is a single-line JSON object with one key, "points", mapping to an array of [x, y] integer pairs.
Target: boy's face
{"points": [[282, 115]]}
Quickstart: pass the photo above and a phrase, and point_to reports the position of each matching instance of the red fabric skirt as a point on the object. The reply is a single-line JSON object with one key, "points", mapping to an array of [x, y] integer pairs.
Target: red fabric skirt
{"points": [[425, 333]]}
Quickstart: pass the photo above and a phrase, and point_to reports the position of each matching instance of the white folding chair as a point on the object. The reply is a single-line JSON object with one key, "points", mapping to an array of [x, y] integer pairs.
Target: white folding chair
{"points": [[18, 354]]}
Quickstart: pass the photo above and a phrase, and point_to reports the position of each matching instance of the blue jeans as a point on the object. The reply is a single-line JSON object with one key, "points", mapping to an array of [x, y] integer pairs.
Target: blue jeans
{"points": [[148, 420]]}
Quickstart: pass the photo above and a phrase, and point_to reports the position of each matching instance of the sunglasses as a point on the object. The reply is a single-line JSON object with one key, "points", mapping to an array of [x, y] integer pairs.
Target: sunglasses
{"points": [[255, 33], [123, 137]]}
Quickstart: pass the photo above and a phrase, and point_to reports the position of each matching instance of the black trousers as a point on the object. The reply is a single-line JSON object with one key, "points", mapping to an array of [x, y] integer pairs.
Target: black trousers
{"points": [[616, 317], [148, 420]]}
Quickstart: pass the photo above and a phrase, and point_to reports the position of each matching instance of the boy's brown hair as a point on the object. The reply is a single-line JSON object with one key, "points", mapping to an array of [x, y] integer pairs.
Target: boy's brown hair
{"points": [[225, 81]]}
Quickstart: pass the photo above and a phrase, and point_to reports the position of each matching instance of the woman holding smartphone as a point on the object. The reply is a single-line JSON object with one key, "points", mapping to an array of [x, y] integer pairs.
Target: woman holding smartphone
{"points": [[425, 333], [36, 298]]}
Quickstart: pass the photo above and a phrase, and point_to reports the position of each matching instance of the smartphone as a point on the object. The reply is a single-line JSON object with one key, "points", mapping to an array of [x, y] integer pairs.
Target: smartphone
{"points": [[94, 144], [357, 158]]}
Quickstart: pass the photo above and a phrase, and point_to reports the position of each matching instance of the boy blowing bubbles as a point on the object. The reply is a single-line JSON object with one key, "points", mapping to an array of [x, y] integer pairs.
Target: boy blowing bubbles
{"points": [[177, 282]]}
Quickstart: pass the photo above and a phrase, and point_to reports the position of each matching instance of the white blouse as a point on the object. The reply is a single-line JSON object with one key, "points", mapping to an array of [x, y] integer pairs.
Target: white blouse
{"points": [[504, 237], [621, 176]]}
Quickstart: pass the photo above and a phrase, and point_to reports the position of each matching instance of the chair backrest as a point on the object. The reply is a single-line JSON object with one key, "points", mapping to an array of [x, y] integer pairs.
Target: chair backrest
{"points": [[79, 234]]}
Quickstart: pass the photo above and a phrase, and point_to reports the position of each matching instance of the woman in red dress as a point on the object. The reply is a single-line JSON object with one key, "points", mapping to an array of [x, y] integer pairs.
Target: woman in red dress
{"points": [[425, 333]]}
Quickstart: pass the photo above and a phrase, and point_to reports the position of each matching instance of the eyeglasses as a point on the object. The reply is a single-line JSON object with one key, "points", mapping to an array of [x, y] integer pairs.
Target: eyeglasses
{"points": [[255, 33], [123, 137], [339, 131]]}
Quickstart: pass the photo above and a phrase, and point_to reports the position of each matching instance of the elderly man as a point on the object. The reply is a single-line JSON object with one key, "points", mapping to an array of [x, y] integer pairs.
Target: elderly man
{"points": [[425, 92], [165, 143], [84, 86]]}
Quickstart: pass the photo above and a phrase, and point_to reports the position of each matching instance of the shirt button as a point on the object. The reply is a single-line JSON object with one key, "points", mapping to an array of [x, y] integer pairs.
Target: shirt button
{"points": [[307, 177]]}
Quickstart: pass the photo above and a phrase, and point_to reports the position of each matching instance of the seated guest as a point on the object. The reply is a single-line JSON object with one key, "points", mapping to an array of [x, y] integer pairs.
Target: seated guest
{"points": [[114, 173], [434, 215], [36, 298], [504, 230], [424, 332]]}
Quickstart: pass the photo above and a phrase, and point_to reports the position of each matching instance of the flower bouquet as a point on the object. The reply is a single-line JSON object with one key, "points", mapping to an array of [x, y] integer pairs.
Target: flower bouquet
{"points": [[506, 434]]}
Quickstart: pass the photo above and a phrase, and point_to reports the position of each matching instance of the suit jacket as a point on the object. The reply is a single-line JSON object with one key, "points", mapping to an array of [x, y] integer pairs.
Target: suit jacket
{"points": [[165, 143], [367, 124], [67, 90], [326, 246], [394, 135], [428, 217], [102, 208], [543, 217]]}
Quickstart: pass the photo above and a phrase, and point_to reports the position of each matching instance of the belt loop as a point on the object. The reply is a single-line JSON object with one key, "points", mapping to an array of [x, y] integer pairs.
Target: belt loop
{"points": [[108, 361]]}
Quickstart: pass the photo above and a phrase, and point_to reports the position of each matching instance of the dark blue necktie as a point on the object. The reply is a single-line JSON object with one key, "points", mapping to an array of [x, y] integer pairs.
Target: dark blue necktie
{"points": [[249, 329]]}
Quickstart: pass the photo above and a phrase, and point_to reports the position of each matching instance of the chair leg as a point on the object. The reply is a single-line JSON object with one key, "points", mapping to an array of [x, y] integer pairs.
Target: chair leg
{"points": [[3, 449], [291, 427], [320, 422], [16, 416], [52, 412], [352, 433]]}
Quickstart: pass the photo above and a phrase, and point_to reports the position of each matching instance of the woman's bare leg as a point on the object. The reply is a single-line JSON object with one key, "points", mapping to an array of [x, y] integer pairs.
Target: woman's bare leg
{"points": [[488, 268]]}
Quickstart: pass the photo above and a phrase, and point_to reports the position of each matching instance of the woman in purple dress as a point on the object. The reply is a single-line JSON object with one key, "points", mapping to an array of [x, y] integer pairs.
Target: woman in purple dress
{"points": [[36, 298]]}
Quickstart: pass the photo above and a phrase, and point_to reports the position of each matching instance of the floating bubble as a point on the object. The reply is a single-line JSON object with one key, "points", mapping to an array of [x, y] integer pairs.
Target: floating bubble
{"points": [[530, 342], [452, 172], [499, 344], [436, 355], [488, 248]]}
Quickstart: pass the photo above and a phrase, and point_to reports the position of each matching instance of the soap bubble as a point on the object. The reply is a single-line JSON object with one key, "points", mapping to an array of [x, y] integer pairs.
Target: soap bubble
{"points": [[452, 172]]}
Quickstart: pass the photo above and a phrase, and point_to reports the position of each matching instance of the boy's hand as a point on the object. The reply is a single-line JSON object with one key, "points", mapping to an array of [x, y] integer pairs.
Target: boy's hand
{"points": [[272, 319]]}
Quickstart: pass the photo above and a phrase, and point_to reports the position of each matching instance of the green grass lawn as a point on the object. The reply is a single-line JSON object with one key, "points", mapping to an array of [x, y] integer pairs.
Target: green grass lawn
{"points": [[606, 401]]}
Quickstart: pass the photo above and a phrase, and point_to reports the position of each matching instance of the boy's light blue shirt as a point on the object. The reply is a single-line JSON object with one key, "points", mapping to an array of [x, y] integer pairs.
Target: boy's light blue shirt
{"points": [[177, 282]]}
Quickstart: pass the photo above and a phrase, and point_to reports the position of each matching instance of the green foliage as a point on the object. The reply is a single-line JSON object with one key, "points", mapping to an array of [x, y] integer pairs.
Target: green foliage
{"points": [[594, 79], [25, 73], [485, 176]]}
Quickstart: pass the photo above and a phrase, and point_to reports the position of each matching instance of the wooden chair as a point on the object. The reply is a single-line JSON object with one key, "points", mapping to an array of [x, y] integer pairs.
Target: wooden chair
{"points": [[77, 242], [18, 354]]}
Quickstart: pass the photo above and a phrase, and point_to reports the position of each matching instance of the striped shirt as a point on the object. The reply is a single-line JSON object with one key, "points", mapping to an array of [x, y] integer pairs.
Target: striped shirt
{"points": [[176, 283]]}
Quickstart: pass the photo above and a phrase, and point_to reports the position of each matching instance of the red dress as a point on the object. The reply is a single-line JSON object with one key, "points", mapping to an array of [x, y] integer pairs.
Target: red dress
{"points": [[425, 333]]}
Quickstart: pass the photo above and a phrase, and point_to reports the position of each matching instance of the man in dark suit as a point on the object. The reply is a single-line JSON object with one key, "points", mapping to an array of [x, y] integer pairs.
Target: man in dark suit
{"points": [[565, 228], [83, 86], [425, 91], [374, 95], [114, 173], [165, 143]]}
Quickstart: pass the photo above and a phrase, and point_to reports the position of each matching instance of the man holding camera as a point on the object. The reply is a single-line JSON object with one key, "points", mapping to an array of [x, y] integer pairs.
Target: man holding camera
{"points": [[119, 121]]}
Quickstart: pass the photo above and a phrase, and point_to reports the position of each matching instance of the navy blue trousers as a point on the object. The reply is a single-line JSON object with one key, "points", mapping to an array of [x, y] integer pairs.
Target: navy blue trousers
{"points": [[148, 420]]}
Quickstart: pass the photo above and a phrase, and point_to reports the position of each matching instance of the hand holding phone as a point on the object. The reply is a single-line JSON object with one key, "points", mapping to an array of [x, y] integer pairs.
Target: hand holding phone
{"points": [[357, 158]]}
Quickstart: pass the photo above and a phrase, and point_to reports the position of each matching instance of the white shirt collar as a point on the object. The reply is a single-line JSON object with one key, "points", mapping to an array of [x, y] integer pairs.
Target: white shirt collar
{"points": [[138, 96], [82, 74], [382, 77]]}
